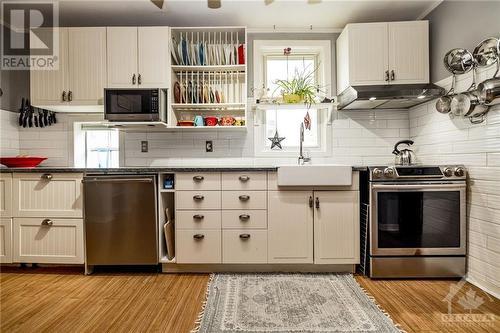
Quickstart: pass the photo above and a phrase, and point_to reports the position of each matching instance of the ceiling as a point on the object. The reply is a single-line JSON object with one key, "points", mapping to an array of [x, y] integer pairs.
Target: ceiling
{"points": [[280, 14]]}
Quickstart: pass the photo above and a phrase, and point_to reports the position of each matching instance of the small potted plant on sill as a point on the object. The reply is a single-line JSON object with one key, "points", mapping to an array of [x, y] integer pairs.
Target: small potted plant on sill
{"points": [[300, 89]]}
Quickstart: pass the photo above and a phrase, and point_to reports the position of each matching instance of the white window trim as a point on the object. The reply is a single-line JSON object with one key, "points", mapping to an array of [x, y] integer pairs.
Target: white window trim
{"points": [[322, 48], [80, 143]]}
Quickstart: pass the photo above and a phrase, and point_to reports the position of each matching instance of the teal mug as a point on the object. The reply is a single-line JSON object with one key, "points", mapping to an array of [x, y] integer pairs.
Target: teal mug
{"points": [[199, 121]]}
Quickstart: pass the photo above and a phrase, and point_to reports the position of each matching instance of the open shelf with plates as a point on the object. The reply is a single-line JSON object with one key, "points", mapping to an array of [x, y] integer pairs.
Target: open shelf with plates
{"points": [[209, 78]]}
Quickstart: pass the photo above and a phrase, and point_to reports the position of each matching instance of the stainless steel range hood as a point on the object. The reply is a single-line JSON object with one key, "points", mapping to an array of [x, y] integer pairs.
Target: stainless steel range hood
{"points": [[397, 96]]}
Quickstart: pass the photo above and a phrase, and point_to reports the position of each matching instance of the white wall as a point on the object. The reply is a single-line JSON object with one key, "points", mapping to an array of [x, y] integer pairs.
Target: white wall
{"points": [[440, 140], [9, 133]]}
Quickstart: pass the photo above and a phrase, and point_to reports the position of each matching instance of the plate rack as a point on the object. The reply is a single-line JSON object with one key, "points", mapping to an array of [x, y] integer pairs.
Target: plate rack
{"points": [[209, 75]]}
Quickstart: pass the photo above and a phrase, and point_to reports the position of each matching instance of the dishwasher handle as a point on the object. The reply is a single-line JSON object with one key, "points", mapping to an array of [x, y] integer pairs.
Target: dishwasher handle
{"points": [[117, 180]]}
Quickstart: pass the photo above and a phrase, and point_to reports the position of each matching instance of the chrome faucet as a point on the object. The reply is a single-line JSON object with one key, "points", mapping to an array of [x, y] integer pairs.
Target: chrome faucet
{"points": [[302, 159]]}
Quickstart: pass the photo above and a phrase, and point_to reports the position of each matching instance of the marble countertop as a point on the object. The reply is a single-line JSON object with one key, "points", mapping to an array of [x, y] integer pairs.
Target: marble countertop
{"points": [[140, 170]]}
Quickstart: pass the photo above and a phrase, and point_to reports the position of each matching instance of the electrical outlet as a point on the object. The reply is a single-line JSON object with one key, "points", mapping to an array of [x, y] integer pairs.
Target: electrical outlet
{"points": [[144, 146], [209, 146]]}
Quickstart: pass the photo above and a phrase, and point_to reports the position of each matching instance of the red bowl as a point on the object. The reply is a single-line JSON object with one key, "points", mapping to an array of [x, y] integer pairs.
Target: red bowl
{"points": [[21, 162]]}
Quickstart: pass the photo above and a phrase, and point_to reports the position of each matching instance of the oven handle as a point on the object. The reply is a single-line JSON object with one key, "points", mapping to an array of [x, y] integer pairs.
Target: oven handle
{"points": [[418, 186]]}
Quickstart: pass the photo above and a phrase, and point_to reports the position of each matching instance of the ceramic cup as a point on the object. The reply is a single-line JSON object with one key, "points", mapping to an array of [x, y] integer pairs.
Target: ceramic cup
{"points": [[227, 121], [211, 121], [198, 121]]}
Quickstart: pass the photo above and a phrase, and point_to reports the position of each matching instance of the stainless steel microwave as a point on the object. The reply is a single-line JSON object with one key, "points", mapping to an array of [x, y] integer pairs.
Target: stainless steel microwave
{"points": [[125, 104]]}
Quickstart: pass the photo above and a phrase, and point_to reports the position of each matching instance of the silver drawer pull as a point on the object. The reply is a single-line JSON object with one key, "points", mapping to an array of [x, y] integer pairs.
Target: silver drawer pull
{"points": [[244, 217], [47, 176], [244, 178], [198, 237], [198, 178], [47, 222], [198, 197], [244, 197], [198, 217], [245, 236]]}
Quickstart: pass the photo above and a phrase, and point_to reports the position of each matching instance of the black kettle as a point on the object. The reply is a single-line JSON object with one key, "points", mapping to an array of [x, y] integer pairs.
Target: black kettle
{"points": [[404, 156]]}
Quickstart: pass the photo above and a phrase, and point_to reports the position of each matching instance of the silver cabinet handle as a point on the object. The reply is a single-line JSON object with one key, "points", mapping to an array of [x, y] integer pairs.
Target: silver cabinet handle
{"points": [[198, 197], [244, 178], [70, 95], [198, 236], [244, 236], [244, 217], [198, 217], [139, 79], [198, 178], [317, 203], [311, 201], [393, 75], [47, 222], [244, 197], [47, 176], [133, 79], [64, 96], [387, 75]]}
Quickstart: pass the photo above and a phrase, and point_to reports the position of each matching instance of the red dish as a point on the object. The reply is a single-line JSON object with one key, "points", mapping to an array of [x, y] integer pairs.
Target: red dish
{"points": [[21, 162], [185, 123]]}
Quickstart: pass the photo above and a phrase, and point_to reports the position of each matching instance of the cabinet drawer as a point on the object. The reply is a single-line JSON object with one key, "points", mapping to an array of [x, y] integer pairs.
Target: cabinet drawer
{"points": [[244, 199], [54, 241], [55, 195], [244, 246], [198, 246], [244, 219], [198, 181], [235, 181], [197, 199], [5, 241], [197, 219], [6, 195]]}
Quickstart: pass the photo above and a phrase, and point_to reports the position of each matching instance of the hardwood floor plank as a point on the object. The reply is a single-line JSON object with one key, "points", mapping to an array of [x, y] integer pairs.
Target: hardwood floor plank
{"points": [[64, 300]]}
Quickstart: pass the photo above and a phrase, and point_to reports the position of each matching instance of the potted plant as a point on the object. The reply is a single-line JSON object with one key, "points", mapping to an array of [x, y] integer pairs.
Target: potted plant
{"points": [[301, 88]]}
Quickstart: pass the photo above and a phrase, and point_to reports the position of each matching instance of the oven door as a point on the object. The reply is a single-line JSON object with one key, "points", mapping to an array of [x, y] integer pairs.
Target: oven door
{"points": [[417, 219], [130, 105]]}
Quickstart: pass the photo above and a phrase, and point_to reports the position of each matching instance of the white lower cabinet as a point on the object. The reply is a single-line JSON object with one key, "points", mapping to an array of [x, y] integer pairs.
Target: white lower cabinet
{"points": [[198, 246], [5, 241], [244, 246], [50, 241], [290, 227], [336, 227]]}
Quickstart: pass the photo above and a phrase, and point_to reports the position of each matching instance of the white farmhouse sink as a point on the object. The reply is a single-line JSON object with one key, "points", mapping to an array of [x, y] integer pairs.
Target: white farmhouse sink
{"points": [[315, 175]]}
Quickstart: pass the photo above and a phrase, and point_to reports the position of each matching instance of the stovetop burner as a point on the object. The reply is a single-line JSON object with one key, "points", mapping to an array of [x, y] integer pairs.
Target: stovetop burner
{"points": [[417, 172]]}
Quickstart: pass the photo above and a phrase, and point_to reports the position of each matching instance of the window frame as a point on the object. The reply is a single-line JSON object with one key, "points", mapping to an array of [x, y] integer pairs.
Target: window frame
{"points": [[321, 50], [80, 142]]}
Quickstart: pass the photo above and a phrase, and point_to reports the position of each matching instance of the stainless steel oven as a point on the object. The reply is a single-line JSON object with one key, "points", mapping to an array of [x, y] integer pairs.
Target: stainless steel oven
{"points": [[138, 104], [417, 221]]}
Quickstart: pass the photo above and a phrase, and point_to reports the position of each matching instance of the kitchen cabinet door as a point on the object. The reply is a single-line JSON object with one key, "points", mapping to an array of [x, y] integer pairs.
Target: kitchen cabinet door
{"points": [[121, 57], [6, 195], [86, 65], [48, 241], [336, 227], [47, 87], [368, 58], [5, 241], [409, 52], [290, 227], [153, 57]]}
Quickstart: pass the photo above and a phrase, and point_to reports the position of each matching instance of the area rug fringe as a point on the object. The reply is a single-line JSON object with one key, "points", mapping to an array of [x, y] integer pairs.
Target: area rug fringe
{"points": [[374, 301], [197, 323]]}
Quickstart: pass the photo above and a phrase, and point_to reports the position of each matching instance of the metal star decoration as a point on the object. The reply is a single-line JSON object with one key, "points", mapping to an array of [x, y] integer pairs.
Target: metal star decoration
{"points": [[276, 141]]}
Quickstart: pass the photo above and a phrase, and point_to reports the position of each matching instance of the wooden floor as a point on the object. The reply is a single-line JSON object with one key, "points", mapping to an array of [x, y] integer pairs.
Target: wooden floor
{"points": [[64, 300]]}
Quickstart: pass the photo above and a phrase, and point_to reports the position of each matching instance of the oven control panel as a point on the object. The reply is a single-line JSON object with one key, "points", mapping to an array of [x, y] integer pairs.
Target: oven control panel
{"points": [[398, 172]]}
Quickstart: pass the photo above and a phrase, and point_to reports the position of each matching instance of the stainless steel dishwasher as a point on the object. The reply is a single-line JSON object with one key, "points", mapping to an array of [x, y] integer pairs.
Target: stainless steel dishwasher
{"points": [[120, 220]]}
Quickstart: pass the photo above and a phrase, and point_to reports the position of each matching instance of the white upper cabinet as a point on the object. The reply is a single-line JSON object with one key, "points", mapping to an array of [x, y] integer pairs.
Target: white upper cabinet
{"points": [[409, 52], [49, 87], [80, 77], [383, 53], [138, 57], [86, 65]]}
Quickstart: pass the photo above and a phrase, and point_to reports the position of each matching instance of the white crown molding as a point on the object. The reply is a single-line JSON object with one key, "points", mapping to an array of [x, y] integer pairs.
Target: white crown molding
{"points": [[429, 9], [313, 30]]}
